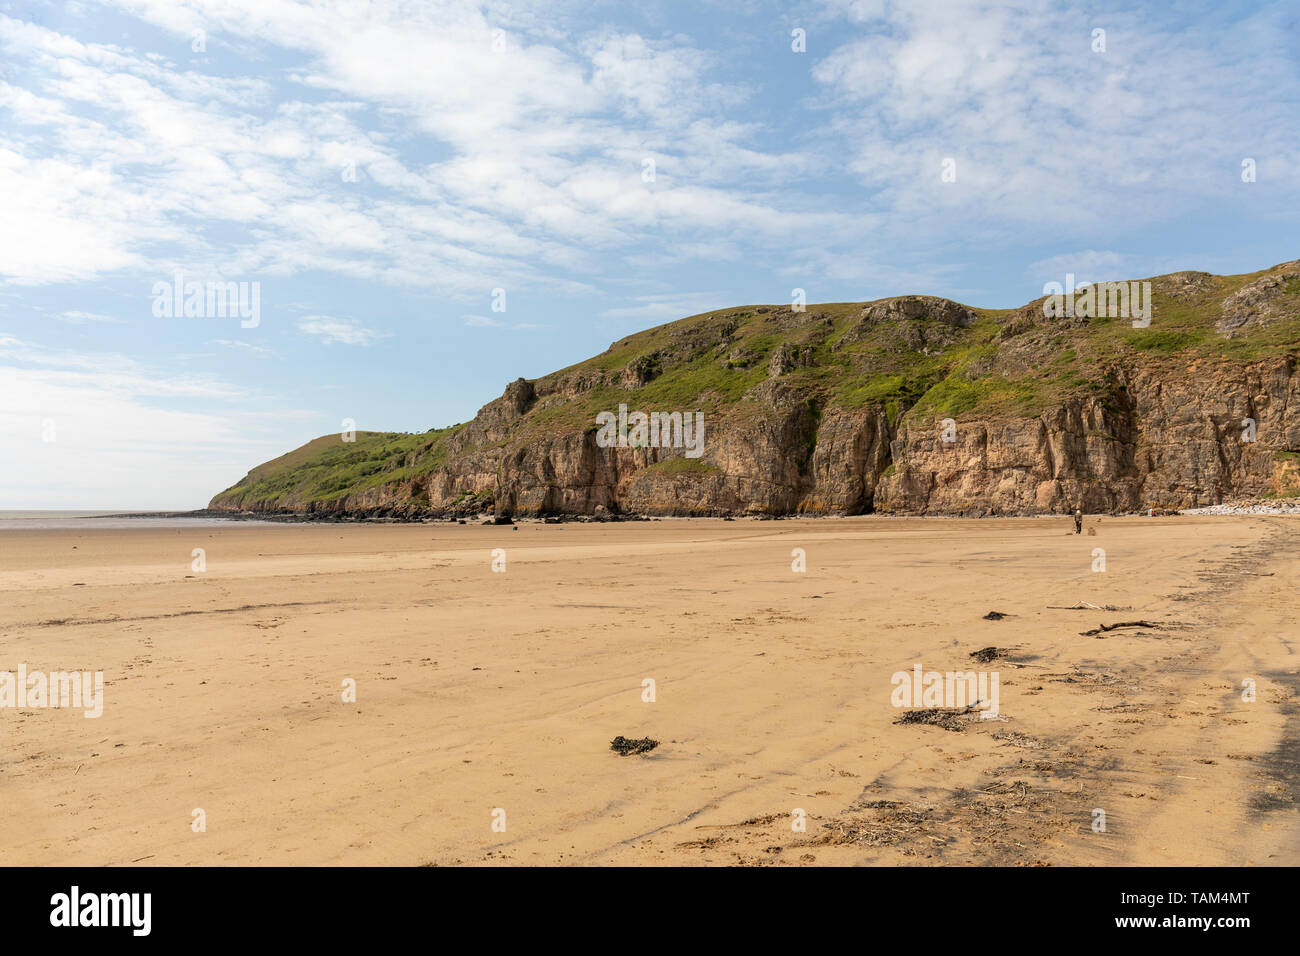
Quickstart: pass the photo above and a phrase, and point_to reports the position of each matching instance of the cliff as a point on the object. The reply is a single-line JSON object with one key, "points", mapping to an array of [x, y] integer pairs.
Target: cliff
{"points": [[913, 404]]}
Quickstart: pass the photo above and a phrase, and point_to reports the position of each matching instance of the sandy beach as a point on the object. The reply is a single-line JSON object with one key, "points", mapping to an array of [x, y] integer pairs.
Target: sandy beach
{"points": [[479, 691]]}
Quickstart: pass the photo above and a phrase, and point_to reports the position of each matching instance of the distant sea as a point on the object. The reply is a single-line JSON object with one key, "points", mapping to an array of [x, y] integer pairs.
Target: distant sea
{"points": [[79, 520]]}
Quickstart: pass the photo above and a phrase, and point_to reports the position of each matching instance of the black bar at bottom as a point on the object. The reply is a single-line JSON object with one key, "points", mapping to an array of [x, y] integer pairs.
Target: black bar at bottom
{"points": [[1222, 906]]}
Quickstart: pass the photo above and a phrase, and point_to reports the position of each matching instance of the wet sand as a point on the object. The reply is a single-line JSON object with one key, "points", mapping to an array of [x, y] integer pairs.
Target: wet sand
{"points": [[479, 691]]}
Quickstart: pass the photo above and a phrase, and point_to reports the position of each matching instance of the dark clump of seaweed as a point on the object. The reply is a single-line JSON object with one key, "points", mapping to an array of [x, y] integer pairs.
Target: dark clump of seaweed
{"points": [[624, 745], [943, 717]]}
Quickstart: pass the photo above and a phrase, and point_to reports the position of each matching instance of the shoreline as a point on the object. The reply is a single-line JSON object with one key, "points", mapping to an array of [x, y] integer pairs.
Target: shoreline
{"points": [[1242, 508]]}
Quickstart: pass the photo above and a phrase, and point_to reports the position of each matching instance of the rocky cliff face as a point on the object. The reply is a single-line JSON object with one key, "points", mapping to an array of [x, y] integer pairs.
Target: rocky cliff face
{"points": [[1172, 439], [912, 405]]}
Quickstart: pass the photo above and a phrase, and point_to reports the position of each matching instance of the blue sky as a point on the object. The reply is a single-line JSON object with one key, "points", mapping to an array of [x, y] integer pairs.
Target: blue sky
{"points": [[504, 146]]}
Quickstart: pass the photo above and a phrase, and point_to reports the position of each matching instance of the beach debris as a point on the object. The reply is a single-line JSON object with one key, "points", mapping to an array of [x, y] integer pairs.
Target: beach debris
{"points": [[1016, 739], [892, 822], [1087, 606], [751, 822], [623, 745], [1114, 627], [986, 654], [949, 718], [995, 616]]}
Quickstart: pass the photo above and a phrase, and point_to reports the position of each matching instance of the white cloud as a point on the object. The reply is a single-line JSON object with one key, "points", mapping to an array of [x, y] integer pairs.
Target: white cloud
{"points": [[341, 331], [60, 410], [544, 144], [240, 346], [483, 322], [536, 176], [1048, 135], [665, 307], [1094, 265], [77, 317]]}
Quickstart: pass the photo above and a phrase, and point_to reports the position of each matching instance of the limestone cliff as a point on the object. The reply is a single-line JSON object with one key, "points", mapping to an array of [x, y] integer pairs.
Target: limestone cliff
{"points": [[912, 404]]}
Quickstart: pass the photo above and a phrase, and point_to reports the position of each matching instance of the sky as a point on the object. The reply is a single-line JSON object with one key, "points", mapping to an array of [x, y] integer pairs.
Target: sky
{"points": [[432, 199]]}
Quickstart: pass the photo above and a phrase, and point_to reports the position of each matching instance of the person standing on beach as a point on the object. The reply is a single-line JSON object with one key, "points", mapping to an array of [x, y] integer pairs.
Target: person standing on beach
{"points": [[1078, 521]]}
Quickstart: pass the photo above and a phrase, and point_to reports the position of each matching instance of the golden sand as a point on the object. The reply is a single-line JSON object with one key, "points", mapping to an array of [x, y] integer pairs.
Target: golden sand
{"points": [[480, 691]]}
